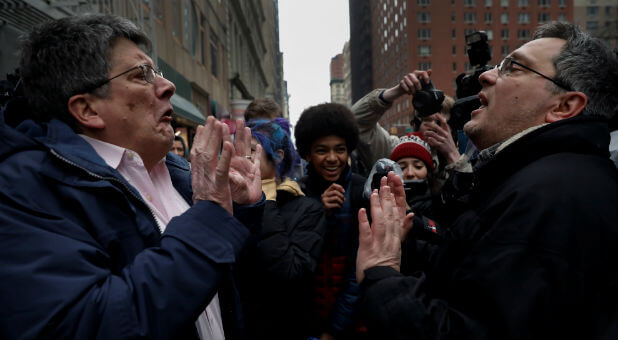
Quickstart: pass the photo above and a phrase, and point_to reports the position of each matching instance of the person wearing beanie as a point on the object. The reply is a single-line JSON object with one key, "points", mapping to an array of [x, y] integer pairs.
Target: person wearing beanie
{"points": [[413, 155]]}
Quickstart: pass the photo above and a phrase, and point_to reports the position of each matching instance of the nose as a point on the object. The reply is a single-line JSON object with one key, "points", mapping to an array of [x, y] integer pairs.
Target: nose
{"points": [[164, 87], [409, 174], [331, 156], [489, 77]]}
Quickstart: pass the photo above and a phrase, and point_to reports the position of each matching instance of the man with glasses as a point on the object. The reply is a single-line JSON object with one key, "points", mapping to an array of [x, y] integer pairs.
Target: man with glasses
{"points": [[103, 233], [534, 252]]}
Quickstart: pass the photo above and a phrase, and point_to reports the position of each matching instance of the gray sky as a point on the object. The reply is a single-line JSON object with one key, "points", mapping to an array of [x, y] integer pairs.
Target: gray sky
{"points": [[311, 32]]}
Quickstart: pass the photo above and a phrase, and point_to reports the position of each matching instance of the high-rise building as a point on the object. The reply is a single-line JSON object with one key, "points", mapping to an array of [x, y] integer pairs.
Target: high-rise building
{"points": [[599, 18], [337, 94], [215, 52], [407, 35], [360, 47], [347, 74]]}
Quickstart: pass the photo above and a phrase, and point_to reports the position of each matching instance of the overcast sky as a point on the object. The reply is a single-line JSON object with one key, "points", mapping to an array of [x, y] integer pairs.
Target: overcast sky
{"points": [[311, 32]]}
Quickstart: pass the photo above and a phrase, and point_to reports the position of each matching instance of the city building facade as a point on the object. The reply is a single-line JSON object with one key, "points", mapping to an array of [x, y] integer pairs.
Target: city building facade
{"points": [[195, 44], [407, 35], [599, 18]]}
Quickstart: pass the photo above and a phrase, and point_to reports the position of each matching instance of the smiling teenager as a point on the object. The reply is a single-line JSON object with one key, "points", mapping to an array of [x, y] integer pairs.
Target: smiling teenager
{"points": [[326, 134]]}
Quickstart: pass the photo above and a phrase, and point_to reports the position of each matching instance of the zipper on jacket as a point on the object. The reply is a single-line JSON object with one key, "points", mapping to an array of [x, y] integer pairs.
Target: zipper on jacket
{"points": [[112, 179]]}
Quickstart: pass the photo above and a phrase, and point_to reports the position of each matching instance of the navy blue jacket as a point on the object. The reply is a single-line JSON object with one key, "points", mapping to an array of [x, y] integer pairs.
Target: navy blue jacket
{"points": [[82, 257]]}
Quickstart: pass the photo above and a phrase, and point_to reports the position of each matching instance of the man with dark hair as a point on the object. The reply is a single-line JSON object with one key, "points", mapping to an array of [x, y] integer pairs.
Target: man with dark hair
{"points": [[534, 255], [103, 234], [262, 108]]}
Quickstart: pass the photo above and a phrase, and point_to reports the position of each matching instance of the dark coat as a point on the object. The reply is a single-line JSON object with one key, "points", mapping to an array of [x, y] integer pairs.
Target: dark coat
{"points": [[275, 284], [81, 256], [535, 256], [335, 288]]}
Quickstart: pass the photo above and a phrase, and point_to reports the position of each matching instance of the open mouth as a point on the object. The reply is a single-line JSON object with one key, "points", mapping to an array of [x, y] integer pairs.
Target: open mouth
{"points": [[167, 115]]}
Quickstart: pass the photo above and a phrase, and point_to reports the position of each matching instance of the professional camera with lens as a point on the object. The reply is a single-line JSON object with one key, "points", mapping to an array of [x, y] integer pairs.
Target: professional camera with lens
{"points": [[468, 86], [428, 100]]}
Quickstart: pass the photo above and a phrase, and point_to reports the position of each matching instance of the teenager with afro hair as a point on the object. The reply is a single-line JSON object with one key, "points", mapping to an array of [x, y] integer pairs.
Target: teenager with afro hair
{"points": [[326, 134]]}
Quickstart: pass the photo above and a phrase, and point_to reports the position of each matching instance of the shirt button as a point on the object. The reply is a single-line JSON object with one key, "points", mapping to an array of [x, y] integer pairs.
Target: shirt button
{"points": [[149, 197], [130, 155]]}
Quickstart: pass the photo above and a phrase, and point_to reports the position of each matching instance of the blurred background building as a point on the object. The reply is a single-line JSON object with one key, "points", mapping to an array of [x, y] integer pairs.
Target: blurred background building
{"points": [[395, 37], [220, 54]]}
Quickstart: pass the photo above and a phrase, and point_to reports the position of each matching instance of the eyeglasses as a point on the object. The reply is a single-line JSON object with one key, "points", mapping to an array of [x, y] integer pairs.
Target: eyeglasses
{"points": [[149, 74], [506, 66]]}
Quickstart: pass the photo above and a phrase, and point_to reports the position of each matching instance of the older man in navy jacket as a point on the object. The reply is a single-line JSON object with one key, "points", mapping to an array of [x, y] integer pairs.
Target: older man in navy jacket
{"points": [[103, 234]]}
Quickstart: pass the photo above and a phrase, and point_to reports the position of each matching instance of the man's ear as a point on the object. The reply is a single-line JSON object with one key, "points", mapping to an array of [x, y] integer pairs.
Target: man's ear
{"points": [[82, 108], [571, 104]]}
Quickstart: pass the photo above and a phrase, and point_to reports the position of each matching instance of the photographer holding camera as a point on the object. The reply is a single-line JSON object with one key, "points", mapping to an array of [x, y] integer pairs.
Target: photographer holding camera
{"points": [[376, 142], [535, 253]]}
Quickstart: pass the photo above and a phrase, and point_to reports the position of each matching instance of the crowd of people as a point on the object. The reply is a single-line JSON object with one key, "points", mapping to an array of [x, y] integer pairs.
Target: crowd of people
{"points": [[111, 227]]}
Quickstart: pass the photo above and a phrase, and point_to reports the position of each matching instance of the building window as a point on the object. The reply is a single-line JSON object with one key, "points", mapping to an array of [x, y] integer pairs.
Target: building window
{"points": [[504, 18], [454, 50], [453, 17], [562, 3], [203, 42], [424, 66], [523, 34], [608, 10], [468, 67], [424, 50], [504, 34], [158, 9], [454, 67], [424, 33], [543, 17], [488, 3], [561, 17], [592, 11], [592, 25], [453, 33], [544, 3], [488, 18], [523, 3], [490, 34], [470, 3], [505, 50], [470, 17], [189, 18], [504, 3], [214, 67], [423, 2], [523, 18], [424, 17], [175, 19]]}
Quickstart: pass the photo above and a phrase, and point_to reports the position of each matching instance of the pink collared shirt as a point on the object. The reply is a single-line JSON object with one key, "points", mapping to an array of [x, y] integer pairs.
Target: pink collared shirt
{"points": [[165, 202]]}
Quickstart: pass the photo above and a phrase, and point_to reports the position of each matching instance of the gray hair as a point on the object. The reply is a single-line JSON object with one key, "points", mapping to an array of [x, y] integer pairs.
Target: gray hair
{"points": [[585, 64], [68, 56]]}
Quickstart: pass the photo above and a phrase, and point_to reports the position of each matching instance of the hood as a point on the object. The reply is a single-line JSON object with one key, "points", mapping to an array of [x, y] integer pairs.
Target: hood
{"points": [[17, 135]]}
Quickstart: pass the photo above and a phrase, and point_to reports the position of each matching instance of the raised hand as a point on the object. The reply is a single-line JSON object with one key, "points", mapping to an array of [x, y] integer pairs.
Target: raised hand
{"points": [[245, 179], [209, 172], [409, 84], [380, 244], [439, 137]]}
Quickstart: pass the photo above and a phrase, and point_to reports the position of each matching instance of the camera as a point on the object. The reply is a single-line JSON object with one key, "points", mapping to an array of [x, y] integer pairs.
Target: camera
{"points": [[380, 169], [428, 100], [468, 86]]}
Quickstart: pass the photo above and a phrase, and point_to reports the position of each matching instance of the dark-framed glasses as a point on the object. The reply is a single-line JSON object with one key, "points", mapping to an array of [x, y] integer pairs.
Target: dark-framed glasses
{"points": [[149, 74], [506, 66]]}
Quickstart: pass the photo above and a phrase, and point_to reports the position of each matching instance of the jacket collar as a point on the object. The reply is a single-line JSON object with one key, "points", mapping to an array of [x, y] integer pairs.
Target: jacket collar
{"points": [[580, 134]]}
